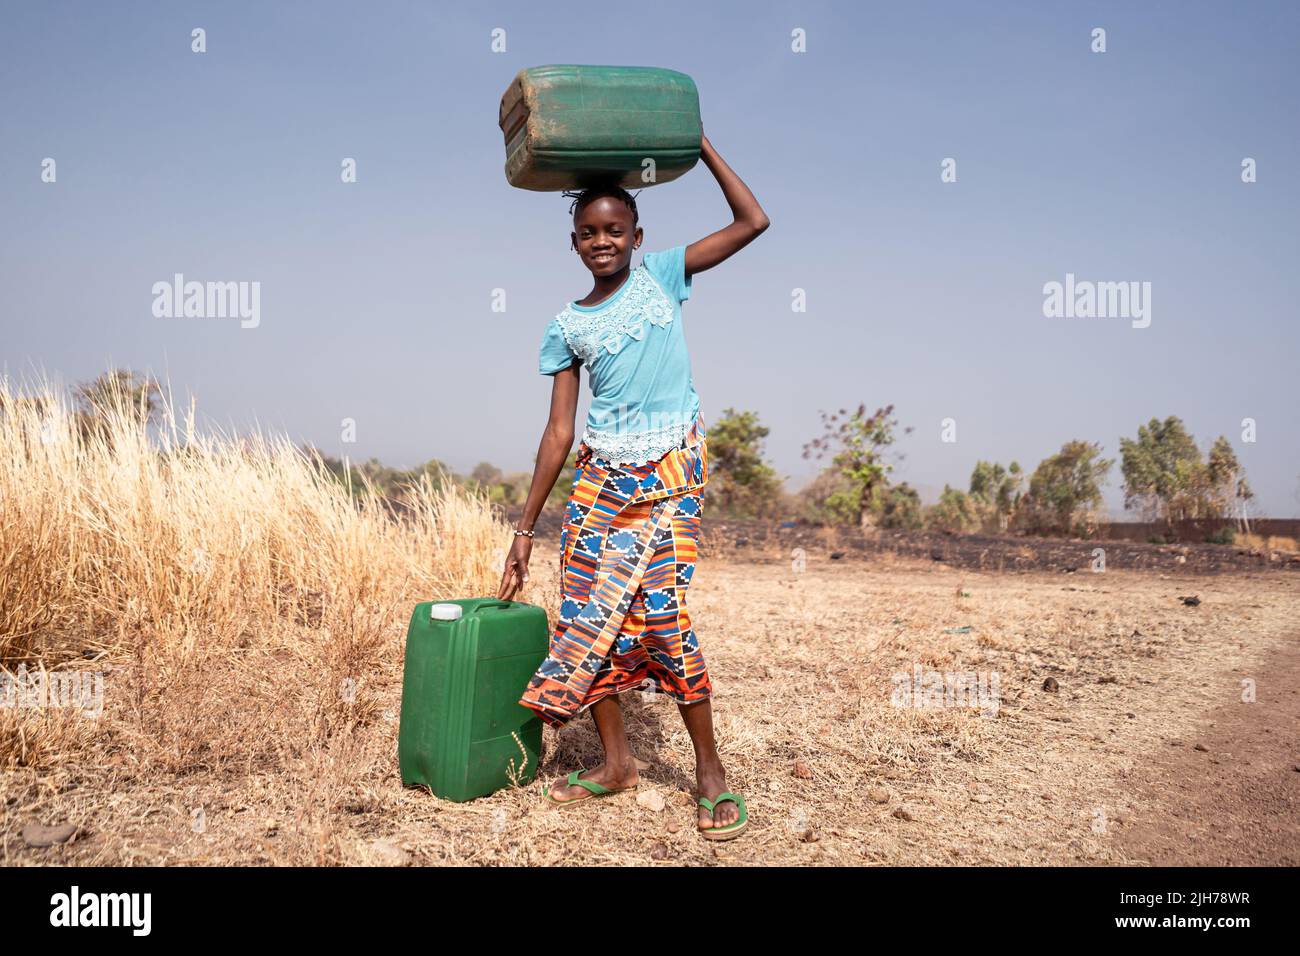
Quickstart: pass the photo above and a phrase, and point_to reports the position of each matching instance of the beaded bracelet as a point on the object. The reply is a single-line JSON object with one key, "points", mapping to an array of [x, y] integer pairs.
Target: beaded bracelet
{"points": [[530, 534]]}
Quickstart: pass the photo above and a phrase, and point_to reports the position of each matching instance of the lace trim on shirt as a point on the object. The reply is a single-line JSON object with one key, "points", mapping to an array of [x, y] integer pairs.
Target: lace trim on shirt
{"points": [[588, 332], [634, 448]]}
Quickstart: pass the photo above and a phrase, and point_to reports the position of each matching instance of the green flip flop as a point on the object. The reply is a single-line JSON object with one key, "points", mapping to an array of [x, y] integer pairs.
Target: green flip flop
{"points": [[731, 830], [593, 789]]}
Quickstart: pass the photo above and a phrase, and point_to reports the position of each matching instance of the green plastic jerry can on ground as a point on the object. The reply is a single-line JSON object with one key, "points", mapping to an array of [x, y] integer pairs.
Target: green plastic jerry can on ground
{"points": [[569, 126], [463, 732]]}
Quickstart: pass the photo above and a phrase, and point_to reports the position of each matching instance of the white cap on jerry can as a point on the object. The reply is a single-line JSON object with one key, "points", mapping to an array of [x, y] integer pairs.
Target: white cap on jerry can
{"points": [[445, 612]]}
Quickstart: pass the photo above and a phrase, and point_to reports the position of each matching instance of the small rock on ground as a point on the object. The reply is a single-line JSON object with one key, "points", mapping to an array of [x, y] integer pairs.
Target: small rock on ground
{"points": [[39, 835]]}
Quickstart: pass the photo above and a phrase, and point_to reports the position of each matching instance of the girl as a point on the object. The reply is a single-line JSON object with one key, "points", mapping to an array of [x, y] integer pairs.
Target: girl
{"points": [[633, 517]]}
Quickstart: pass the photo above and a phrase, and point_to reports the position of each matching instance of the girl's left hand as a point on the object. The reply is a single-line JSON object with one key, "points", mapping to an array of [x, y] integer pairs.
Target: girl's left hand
{"points": [[584, 455]]}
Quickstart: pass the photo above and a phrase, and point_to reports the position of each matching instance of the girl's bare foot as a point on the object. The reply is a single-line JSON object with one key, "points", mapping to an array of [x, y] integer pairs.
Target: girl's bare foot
{"points": [[609, 775], [712, 780]]}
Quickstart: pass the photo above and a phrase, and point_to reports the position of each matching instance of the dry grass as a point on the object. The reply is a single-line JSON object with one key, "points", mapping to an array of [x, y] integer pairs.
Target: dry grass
{"points": [[225, 737], [1266, 543], [239, 600]]}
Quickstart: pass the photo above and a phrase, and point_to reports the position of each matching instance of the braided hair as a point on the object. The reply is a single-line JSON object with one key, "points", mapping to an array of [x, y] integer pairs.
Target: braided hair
{"points": [[581, 198]]}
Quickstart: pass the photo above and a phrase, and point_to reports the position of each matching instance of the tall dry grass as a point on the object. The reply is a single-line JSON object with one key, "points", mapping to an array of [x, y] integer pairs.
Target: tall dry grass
{"points": [[238, 597]]}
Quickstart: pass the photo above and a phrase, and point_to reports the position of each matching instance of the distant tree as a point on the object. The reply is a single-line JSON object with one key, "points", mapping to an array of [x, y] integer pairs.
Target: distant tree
{"points": [[486, 473], [119, 389], [387, 480], [512, 489], [858, 443], [16, 405], [1227, 480], [1159, 468], [500, 489], [1065, 489], [1167, 478], [901, 507], [116, 393], [996, 493], [827, 499], [741, 484], [955, 511], [437, 470], [392, 483]]}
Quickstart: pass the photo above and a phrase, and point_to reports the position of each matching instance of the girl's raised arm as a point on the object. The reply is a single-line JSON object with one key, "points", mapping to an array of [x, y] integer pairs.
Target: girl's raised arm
{"points": [[749, 222]]}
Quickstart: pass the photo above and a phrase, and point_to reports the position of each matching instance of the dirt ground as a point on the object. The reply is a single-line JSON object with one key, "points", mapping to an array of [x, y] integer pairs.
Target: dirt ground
{"points": [[1237, 801], [1124, 734], [1005, 552]]}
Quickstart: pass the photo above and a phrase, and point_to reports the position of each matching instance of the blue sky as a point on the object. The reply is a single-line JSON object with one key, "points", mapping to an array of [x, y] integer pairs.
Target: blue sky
{"points": [[376, 296]]}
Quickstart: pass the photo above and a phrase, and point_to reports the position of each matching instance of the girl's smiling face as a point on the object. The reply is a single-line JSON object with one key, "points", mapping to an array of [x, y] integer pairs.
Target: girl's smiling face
{"points": [[604, 235]]}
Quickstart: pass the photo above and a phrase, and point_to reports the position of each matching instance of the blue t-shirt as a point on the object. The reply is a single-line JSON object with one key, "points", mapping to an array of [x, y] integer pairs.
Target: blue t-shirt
{"points": [[643, 398]]}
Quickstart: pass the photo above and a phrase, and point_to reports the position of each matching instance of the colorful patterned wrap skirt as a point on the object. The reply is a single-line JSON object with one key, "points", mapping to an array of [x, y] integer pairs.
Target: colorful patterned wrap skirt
{"points": [[627, 556]]}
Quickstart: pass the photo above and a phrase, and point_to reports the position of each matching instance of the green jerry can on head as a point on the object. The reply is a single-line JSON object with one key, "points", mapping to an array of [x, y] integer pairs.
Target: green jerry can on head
{"points": [[570, 126], [463, 732]]}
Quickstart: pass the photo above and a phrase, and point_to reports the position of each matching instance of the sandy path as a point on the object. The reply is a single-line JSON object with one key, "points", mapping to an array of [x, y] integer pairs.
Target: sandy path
{"points": [[1237, 801]]}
